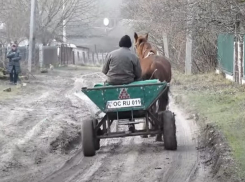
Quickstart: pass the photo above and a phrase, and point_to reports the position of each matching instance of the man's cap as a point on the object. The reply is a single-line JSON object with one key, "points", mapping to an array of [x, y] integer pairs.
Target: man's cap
{"points": [[125, 42]]}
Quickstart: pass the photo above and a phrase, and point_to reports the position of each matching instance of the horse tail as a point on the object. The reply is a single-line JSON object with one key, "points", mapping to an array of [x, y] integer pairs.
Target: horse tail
{"points": [[167, 96], [153, 74], [169, 93]]}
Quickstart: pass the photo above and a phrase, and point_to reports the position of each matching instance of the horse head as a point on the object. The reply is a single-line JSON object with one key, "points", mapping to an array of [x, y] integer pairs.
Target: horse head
{"points": [[142, 46]]}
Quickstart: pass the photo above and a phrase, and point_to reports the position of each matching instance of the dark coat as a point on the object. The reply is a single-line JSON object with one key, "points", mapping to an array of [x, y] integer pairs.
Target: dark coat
{"points": [[14, 60], [122, 67]]}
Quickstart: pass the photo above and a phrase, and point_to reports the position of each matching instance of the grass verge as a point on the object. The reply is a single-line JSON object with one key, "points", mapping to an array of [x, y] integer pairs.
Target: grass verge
{"points": [[15, 90], [80, 67], [218, 102]]}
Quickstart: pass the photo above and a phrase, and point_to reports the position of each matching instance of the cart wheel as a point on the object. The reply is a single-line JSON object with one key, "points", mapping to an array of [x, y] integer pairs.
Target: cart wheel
{"points": [[96, 140], [169, 131], [88, 138]]}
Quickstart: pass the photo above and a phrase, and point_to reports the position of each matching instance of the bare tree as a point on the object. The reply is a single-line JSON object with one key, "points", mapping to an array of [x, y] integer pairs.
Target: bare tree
{"points": [[209, 18], [49, 17], [15, 25], [77, 13]]}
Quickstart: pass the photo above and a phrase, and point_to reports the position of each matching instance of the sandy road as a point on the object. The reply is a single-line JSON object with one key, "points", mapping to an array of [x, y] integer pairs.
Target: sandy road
{"points": [[124, 159]]}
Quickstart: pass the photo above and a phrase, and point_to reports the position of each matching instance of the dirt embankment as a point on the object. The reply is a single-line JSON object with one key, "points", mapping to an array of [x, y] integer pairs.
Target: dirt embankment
{"points": [[218, 107], [40, 125]]}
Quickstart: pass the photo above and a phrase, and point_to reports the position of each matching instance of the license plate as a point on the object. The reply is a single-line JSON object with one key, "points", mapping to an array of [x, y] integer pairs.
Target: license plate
{"points": [[113, 104]]}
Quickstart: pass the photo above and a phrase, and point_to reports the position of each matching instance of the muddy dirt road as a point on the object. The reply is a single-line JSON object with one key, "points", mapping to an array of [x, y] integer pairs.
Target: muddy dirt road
{"points": [[40, 139]]}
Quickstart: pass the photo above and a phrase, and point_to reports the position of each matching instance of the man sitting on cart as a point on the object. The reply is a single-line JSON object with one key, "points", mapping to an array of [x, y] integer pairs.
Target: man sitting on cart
{"points": [[122, 66]]}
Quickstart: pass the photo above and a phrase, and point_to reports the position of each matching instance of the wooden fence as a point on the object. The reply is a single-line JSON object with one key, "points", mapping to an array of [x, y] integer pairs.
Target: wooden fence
{"points": [[56, 55]]}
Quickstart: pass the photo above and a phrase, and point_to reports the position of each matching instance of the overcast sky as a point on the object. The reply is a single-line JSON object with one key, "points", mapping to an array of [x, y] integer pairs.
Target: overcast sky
{"points": [[111, 3], [112, 7]]}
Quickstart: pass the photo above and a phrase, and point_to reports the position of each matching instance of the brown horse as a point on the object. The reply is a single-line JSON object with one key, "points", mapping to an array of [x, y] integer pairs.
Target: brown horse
{"points": [[153, 67]]}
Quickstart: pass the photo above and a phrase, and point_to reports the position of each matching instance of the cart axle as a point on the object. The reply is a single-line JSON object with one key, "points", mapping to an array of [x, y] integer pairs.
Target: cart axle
{"points": [[124, 134], [129, 123]]}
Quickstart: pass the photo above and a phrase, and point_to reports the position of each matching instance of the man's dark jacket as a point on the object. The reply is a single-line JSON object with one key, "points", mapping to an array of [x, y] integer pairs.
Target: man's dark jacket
{"points": [[14, 60], [122, 67]]}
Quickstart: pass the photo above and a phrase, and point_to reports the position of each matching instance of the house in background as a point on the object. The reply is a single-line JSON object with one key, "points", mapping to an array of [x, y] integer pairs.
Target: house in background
{"points": [[99, 40]]}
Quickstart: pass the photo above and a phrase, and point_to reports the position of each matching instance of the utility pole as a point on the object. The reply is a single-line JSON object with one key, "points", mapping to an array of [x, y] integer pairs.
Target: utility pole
{"points": [[188, 56], [64, 23], [31, 36], [188, 53], [165, 45], [238, 51]]}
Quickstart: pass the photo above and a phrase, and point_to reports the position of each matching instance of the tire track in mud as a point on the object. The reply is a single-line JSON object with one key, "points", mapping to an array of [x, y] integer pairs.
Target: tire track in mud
{"points": [[146, 160], [185, 158], [137, 159], [120, 163], [79, 167]]}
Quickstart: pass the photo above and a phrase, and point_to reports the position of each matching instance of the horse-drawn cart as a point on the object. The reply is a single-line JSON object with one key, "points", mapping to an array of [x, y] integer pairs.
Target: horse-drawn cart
{"points": [[128, 102]]}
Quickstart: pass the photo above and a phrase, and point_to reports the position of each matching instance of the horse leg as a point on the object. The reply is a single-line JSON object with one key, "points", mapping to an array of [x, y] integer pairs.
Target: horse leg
{"points": [[154, 110], [144, 128], [164, 100], [151, 127], [159, 136]]}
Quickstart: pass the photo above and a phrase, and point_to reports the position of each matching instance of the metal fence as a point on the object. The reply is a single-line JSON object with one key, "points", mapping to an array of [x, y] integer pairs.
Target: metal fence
{"points": [[243, 58], [86, 57], [226, 52], [66, 55], [50, 56], [231, 57]]}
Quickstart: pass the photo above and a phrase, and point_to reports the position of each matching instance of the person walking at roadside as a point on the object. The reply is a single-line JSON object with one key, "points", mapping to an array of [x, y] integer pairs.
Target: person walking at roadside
{"points": [[14, 64]]}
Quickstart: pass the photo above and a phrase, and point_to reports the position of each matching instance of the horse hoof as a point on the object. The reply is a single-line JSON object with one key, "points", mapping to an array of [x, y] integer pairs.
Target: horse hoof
{"points": [[144, 136], [158, 139]]}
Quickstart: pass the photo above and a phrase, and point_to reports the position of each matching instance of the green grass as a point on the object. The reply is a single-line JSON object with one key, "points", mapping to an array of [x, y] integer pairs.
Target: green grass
{"points": [[220, 102]]}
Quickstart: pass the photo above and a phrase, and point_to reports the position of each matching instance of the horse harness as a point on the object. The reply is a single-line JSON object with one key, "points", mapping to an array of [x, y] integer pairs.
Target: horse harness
{"points": [[148, 54]]}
